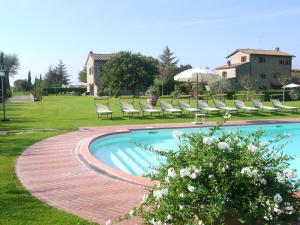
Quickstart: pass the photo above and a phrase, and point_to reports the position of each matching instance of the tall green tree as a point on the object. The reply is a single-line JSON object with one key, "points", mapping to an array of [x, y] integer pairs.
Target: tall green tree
{"points": [[62, 73], [29, 80], [56, 76], [11, 67], [128, 71], [167, 63], [51, 77], [82, 75]]}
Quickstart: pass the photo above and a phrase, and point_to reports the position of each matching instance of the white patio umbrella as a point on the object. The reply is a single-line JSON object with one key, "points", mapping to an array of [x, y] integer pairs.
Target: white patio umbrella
{"points": [[196, 74], [291, 85]]}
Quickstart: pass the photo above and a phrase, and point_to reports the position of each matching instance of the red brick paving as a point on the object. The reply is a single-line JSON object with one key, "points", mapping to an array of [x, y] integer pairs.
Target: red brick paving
{"points": [[52, 172]]}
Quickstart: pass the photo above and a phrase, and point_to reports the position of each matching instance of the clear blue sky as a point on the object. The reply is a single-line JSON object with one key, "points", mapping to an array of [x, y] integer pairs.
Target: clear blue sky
{"points": [[201, 33]]}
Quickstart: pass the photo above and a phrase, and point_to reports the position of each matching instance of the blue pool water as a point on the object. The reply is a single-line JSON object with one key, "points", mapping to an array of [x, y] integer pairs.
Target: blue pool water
{"points": [[124, 151]]}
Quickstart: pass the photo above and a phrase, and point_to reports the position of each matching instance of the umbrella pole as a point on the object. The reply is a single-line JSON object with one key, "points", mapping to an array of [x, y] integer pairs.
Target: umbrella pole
{"points": [[283, 94], [197, 91]]}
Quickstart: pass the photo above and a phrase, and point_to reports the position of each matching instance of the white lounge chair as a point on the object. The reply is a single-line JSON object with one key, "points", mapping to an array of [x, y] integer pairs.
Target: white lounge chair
{"points": [[279, 105], [128, 108], [168, 107], [102, 109], [241, 105], [185, 106], [204, 106], [258, 104], [221, 105], [148, 108]]}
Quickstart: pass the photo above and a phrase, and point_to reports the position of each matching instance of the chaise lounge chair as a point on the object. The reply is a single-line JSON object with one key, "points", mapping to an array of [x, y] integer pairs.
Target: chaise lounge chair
{"points": [[185, 106], [168, 107], [221, 105], [241, 105], [204, 106], [148, 108], [102, 109], [128, 108], [279, 105], [259, 105]]}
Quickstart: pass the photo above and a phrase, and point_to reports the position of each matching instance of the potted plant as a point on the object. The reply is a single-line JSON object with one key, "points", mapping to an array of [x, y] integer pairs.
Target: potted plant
{"points": [[152, 93], [222, 178]]}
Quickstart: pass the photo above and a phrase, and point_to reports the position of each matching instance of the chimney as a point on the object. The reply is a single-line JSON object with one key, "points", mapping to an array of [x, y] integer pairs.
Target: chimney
{"points": [[277, 49], [228, 63]]}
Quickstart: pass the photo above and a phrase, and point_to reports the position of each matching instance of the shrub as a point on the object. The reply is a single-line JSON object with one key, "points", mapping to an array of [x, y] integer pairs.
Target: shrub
{"points": [[295, 94], [222, 173]]}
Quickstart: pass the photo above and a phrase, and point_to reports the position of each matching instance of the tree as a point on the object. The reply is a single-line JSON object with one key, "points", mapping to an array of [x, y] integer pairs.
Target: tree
{"points": [[283, 80], [29, 80], [11, 67], [167, 64], [128, 71], [51, 77], [82, 75], [247, 82], [21, 85], [62, 73], [56, 76]]}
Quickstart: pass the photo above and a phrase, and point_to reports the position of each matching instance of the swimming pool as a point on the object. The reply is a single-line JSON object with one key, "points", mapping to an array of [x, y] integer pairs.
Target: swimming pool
{"points": [[124, 152]]}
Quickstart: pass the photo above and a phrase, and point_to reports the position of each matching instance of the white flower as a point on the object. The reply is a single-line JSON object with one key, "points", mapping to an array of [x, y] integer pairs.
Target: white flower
{"points": [[176, 133], [191, 188], [252, 148], [198, 171], [131, 213], [263, 181], [181, 195], [153, 222], [246, 170], [286, 175], [108, 222], [223, 169], [171, 173], [200, 222], [210, 176], [180, 207], [208, 140], [278, 198], [144, 198], [193, 175], [184, 172], [169, 217], [158, 194], [223, 145], [211, 164]]}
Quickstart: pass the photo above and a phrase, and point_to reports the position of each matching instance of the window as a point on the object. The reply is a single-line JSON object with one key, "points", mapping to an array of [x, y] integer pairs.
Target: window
{"points": [[224, 74], [280, 61], [262, 76], [243, 58], [90, 71], [262, 59]]}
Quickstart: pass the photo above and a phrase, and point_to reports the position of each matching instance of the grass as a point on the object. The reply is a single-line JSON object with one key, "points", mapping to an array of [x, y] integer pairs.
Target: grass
{"points": [[63, 113]]}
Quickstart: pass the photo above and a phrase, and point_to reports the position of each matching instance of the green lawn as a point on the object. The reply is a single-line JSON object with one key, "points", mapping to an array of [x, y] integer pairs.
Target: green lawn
{"points": [[64, 113]]}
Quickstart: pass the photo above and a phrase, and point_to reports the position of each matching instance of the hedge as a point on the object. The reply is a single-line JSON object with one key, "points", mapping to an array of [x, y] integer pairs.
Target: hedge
{"points": [[51, 90]]}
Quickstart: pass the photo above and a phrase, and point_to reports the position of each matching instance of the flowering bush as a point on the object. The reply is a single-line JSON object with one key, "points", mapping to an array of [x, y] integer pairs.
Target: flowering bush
{"points": [[212, 176]]}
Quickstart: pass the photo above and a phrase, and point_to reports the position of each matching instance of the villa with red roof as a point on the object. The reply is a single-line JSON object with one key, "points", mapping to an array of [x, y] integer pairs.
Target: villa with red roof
{"points": [[263, 66]]}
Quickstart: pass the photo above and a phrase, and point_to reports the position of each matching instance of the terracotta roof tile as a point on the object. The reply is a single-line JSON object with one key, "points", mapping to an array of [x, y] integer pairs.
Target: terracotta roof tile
{"points": [[261, 52], [231, 66], [102, 57]]}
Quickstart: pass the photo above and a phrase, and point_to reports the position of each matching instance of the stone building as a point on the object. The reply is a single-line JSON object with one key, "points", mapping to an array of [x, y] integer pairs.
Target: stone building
{"points": [[262, 66], [93, 64]]}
